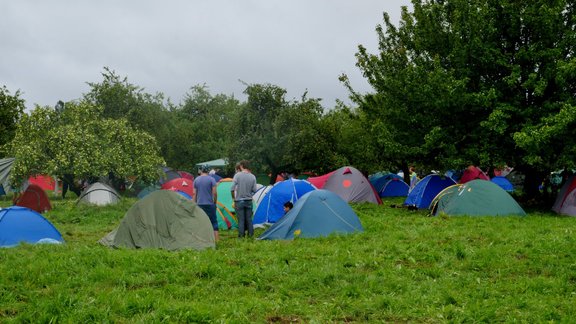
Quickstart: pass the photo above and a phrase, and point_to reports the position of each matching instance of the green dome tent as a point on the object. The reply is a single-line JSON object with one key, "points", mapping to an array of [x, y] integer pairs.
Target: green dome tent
{"points": [[476, 198], [163, 219]]}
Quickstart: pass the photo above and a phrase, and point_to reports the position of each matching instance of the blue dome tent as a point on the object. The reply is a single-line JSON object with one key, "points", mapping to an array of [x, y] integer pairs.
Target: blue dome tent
{"points": [[271, 207], [503, 182], [21, 224], [426, 189], [317, 213]]}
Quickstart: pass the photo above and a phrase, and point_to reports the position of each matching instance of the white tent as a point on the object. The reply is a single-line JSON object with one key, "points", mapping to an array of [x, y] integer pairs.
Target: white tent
{"points": [[99, 194]]}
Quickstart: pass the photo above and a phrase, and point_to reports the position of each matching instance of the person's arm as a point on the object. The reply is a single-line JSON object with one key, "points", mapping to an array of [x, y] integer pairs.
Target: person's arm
{"points": [[215, 194]]}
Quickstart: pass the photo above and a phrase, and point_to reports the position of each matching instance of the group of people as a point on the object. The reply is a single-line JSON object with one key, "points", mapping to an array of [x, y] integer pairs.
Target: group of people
{"points": [[242, 190]]}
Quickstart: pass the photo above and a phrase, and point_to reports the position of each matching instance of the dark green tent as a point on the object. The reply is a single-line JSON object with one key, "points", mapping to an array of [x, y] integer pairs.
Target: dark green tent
{"points": [[476, 198], [163, 219]]}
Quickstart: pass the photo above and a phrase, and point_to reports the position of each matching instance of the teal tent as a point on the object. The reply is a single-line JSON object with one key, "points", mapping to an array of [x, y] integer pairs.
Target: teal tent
{"points": [[476, 198], [317, 213]]}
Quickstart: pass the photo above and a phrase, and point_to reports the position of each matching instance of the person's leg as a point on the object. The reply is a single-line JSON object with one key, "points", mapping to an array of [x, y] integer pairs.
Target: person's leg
{"points": [[210, 211], [249, 224], [240, 215]]}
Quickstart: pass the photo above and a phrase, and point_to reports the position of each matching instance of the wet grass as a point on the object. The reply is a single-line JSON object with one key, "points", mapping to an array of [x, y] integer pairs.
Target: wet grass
{"points": [[405, 267]]}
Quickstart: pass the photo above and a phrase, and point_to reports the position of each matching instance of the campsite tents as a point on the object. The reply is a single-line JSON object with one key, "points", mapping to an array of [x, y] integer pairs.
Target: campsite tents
{"points": [[271, 207], [317, 213], [147, 190], [473, 173], [5, 168], [99, 194], [21, 224], [565, 203], [223, 189], [476, 198], [319, 181], [218, 163], [503, 182], [259, 194], [225, 217], [426, 189], [181, 184], [352, 186], [163, 219], [34, 198], [390, 185], [167, 174], [43, 181]]}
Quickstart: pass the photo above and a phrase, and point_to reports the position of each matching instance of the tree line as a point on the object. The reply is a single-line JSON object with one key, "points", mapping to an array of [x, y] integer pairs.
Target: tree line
{"points": [[455, 83]]}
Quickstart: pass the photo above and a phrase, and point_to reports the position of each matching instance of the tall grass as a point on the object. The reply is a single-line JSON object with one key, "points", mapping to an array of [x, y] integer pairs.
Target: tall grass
{"points": [[405, 267]]}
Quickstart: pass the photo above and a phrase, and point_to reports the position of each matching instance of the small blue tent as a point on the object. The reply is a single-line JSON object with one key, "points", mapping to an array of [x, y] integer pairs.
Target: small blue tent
{"points": [[426, 189], [503, 182], [379, 180], [394, 188], [317, 213], [271, 207], [21, 224]]}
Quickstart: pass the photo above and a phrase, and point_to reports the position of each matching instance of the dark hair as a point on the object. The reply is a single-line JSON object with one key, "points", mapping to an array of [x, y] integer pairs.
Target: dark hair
{"points": [[245, 164], [288, 205]]}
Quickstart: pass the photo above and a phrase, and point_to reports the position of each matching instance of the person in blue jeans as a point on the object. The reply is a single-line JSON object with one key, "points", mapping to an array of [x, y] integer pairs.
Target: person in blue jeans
{"points": [[243, 187], [206, 196]]}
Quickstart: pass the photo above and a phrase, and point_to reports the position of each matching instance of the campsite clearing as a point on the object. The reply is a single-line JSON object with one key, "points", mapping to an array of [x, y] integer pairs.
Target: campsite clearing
{"points": [[404, 267]]}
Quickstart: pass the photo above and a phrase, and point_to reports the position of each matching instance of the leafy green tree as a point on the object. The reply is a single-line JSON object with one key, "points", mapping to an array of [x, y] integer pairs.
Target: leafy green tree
{"points": [[11, 110], [475, 82], [278, 135], [146, 112], [204, 125], [79, 141]]}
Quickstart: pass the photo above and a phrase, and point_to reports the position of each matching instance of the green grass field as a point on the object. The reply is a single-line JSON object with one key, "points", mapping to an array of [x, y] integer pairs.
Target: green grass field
{"points": [[405, 267]]}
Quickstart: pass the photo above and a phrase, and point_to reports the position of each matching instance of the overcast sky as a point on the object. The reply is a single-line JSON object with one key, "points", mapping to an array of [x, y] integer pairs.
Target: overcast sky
{"points": [[50, 49]]}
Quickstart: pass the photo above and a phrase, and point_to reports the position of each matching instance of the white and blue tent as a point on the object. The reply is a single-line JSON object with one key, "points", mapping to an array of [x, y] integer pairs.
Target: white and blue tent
{"points": [[271, 207]]}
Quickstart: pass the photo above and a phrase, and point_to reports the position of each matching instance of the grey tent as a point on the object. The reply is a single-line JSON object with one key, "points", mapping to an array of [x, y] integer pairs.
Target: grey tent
{"points": [[5, 168], [163, 219], [99, 194]]}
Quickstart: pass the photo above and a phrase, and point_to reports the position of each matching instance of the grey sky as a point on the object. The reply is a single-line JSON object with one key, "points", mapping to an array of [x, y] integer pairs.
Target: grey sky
{"points": [[50, 49]]}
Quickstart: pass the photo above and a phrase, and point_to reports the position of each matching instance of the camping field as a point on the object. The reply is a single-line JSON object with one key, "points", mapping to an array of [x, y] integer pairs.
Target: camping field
{"points": [[405, 267]]}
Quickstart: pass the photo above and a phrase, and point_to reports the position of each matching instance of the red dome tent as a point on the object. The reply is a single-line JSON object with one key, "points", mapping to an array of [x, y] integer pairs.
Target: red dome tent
{"points": [[43, 181], [180, 184], [473, 173], [34, 198]]}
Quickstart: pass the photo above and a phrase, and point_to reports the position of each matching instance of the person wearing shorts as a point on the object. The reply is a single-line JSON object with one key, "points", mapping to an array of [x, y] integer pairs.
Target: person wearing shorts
{"points": [[206, 196]]}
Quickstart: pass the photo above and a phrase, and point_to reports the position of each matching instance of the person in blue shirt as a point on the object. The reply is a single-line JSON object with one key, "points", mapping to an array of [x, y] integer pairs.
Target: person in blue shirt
{"points": [[206, 196]]}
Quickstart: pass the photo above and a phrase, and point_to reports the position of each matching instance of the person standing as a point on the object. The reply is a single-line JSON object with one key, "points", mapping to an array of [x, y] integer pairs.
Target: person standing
{"points": [[243, 187], [206, 196]]}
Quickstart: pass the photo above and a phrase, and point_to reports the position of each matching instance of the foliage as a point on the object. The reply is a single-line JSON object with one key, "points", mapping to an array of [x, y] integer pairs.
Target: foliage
{"points": [[474, 82], [143, 111], [79, 141], [405, 267], [278, 135], [203, 127], [11, 109]]}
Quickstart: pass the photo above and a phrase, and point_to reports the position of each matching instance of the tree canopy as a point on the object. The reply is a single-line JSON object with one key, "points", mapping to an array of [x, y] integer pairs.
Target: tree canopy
{"points": [[79, 141], [11, 110], [474, 82]]}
